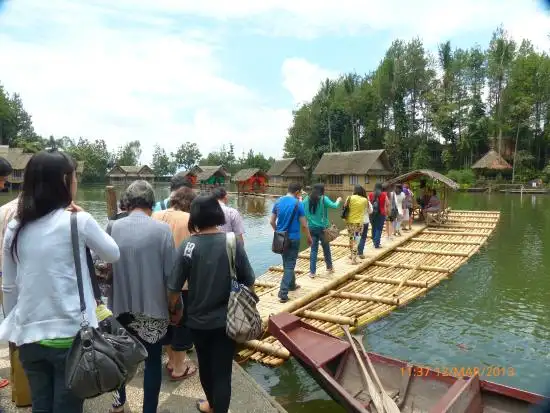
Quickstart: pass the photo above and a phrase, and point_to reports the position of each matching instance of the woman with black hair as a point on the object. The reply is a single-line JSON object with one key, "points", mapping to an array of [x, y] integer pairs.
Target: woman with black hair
{"points": [[203, 262], [357, 204], [41, 298], [316, 206]]}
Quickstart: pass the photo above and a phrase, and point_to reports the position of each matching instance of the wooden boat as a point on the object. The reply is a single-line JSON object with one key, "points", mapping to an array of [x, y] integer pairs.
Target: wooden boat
{"points": [[332, 362]]}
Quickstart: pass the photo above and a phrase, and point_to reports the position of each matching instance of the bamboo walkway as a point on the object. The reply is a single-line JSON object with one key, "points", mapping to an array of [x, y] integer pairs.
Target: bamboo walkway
{"points": [[388, 278]]}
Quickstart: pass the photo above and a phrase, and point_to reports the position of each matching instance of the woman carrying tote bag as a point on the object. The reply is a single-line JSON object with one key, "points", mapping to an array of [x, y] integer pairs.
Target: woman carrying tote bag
{"points": [[39, 282], [316, 206], [203, 261]]}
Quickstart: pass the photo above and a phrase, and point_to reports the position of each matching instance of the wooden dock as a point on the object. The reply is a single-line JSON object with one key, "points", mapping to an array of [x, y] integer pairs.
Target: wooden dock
{"points": [[388, 278]]}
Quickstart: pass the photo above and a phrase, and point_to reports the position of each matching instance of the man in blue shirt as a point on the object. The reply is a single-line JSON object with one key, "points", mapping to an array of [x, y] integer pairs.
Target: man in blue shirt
{"points": [[178, 181], [283, 218]]}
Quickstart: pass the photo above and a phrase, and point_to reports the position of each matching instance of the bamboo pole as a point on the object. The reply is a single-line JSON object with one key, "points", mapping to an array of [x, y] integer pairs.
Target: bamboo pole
{"points": [[265, 284], [411, 267], [368, 297], [384, 280], [268, 348], [110, 197], [281, 269], [444, 241], [435, 252], [337, 319]]}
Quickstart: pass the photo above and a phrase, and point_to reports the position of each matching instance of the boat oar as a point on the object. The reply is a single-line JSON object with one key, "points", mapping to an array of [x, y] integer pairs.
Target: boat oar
{"points": [[389, 404], [374, 393]]}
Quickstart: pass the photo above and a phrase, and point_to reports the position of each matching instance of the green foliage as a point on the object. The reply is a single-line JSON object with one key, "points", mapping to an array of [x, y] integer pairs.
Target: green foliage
{"points": [[95, 155], [129, 154], [187, 155], [414, 97], [162, 165], [464, 177]]}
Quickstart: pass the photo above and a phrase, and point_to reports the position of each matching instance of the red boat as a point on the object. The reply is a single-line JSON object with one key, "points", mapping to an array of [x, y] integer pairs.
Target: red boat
{"points": [[340, 368]]}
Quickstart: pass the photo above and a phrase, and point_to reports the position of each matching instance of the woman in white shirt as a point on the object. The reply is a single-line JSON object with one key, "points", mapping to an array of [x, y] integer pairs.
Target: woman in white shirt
{"points": [[41, 299], [364, 233], [399, 199]]}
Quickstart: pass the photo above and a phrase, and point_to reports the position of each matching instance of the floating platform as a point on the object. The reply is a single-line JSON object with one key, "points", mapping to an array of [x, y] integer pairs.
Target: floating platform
{"points": [[404, 269], [526, 191]]}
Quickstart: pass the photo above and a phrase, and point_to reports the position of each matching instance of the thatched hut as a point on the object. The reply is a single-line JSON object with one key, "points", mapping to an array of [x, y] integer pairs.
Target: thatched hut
{"points": [[492, 164], [341, 171], [250, 179], [285, 171], [211, 175], [120, 174]]}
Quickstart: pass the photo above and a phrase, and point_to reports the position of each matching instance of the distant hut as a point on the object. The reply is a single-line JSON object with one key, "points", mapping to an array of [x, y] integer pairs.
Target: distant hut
{"points": [[251, 179], [285, 171], [120, 174], [341, 171], [212, 175], [491, 165], [192, 173]]}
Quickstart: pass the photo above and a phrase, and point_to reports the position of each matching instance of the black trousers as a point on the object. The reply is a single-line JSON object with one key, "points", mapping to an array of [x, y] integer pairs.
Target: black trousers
{"points": [[215, 353]]}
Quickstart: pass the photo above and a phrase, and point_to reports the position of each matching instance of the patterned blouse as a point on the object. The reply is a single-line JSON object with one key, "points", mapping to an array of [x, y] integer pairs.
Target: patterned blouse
{"points": [[150, 330]]}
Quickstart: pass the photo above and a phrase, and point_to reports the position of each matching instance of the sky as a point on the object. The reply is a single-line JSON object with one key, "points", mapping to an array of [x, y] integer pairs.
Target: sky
{"points": [[216, 71]]}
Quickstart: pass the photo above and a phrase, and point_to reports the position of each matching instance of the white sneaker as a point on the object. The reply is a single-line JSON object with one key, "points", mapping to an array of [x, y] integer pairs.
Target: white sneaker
{"points": [[311, 275]]}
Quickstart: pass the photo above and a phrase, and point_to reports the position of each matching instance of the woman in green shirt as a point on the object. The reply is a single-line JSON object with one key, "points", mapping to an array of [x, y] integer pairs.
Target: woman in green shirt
{"points": [[316, 206]]}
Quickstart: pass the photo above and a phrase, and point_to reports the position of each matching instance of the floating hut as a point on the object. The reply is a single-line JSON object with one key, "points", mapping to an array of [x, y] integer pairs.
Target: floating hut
{"points": [[211, 175], [439, 182], [19, 159], [341, 171], [491, 165], [285, 171], [126, 174], [250, 180]]}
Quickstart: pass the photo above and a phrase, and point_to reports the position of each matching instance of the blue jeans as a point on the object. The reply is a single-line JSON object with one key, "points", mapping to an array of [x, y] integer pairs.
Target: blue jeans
{"points": [[152, 379], [45, 370], [290, 256], [318, 235], [377, 227], [363, 239]]}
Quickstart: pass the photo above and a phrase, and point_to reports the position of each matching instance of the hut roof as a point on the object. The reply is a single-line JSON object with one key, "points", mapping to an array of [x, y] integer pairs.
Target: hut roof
{"points": [[207, 171], [245, 174], [492, 160], [17, 158], [353, 163], [281, 165], [132, 170], [410, 176]]}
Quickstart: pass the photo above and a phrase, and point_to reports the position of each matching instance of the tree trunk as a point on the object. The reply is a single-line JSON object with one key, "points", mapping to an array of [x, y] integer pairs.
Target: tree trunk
{"points": [[515, 152], [329, 134]]}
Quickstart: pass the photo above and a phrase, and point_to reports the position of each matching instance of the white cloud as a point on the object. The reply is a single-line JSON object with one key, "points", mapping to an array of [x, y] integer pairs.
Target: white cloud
{"points": [[432, 20], [81, 75], [302, 78]]}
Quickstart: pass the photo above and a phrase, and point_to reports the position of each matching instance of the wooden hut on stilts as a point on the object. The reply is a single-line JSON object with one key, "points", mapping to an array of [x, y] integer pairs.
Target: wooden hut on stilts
{"points": [[251, 180]]}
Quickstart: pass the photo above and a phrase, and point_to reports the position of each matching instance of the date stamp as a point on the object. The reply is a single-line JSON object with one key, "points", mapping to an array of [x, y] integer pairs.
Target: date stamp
{"points": [[459, 371]]}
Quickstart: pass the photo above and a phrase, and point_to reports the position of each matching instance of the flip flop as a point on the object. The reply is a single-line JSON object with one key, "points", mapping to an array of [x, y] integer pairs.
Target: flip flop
{"points": [[201, 401], [190, 370], [170, 369], [4, 383]]}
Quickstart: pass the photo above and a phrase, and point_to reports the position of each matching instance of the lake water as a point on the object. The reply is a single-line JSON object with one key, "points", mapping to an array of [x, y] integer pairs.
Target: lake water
{"points": [[495, 311]]}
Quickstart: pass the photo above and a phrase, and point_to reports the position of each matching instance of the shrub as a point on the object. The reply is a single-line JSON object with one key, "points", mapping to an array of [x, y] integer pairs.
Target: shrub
{"points": [[462, 176]]}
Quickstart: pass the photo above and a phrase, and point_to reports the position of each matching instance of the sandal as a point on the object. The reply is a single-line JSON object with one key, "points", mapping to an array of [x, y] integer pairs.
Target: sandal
{"points": [[190, 370], [4, 383], [170, 369], [200, 402]]}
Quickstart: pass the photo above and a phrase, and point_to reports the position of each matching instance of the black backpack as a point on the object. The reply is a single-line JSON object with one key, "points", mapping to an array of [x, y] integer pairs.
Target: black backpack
{"points": [[376, 204]]}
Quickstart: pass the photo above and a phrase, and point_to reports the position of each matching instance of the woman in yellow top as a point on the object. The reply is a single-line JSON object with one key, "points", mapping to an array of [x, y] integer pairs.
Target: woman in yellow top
{"points": [[357, 203]]}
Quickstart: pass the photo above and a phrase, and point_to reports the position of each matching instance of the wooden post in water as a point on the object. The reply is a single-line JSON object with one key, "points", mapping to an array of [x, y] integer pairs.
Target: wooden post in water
{"points": [[110, 197]]}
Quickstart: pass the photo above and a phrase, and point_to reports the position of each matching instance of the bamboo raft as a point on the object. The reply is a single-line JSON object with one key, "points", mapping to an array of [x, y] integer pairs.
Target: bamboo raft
{"points": [[388, 278]]}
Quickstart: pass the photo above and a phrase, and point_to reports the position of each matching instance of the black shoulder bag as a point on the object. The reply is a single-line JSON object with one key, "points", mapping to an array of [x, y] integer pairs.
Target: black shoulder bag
{"points": [[345, 209], [97, 361], [280, 238]]}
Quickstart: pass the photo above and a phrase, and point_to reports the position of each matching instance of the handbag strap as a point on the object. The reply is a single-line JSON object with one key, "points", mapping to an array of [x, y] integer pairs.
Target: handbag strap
{"points": [[293, 215], [230, 247], [78, 267]]}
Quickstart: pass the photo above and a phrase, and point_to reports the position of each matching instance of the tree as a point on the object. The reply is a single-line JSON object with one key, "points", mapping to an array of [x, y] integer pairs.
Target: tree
{"points": [[162, 165], [95, 155], [421, 157], [129, 154], [187, 155]]}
